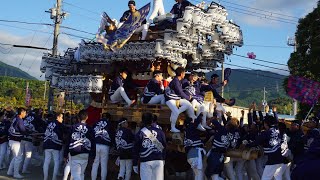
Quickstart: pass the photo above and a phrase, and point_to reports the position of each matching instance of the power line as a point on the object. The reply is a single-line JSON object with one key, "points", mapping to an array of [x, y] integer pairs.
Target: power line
{"points": [[264, 17], [45, 24], [258, 89], [6, 50], [25, 52], [271, 12], [66, 27], [26, 29], [81, 8], [259, 60], [5, 44], [251, 72], [259, 13], [93, 19], [24, 22], [267, 46], [81, 37], [41, 53], [271, 67]]}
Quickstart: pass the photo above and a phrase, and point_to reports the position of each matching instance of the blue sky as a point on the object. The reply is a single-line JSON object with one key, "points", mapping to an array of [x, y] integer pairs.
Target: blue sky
{"points": [[84, 15]]}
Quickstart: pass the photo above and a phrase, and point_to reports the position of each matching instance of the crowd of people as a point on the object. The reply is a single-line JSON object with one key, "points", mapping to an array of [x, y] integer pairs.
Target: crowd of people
{"points": [[72, 141], [288, 153]]}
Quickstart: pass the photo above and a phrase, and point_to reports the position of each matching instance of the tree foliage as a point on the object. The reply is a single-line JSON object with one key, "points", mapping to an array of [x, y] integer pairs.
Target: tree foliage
{"points": [[13, 93], [305, 61]]}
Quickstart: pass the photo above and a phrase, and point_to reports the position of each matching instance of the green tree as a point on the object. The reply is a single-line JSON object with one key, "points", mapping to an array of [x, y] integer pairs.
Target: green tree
{"points": [[305, 61]]}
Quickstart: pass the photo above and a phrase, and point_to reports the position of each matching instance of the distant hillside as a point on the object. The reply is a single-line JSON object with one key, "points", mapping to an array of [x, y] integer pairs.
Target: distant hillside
{"points": [[247, 87], [7, 70]]}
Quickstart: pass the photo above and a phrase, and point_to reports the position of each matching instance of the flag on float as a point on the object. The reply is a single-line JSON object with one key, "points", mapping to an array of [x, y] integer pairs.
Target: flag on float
{"points": [[28, 95], [304, 90]]}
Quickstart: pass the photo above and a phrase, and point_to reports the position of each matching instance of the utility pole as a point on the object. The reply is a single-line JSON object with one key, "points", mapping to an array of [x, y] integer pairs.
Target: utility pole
{"points": [[45, 90], [56, 15], [291, 41], [222, 78], [264, 102]]}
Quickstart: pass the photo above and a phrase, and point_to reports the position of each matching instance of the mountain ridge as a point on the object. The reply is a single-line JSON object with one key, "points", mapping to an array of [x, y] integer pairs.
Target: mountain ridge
{"points": [[11, 71]]}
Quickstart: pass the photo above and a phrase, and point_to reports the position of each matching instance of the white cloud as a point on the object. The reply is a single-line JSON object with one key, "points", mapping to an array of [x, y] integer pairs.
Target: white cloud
{"points": [[31, 57]]}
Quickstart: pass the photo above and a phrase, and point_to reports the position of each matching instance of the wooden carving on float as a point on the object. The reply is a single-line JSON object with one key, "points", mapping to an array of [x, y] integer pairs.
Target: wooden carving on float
{"points": [[116, 39]]}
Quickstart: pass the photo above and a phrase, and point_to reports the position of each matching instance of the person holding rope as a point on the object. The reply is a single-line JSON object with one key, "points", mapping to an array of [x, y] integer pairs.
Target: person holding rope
{"points": [[149, 150], [52, 145], [124, 142]]}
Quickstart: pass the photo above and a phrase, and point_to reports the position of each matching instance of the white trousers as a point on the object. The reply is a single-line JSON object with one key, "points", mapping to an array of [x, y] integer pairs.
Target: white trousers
{"points": [[201, 108], [67, 170], [273, 171], [252, 170], [36, 154], [198, 173], [158, 9], [159, 99], [26, 149], [3, 154], [17, 158], [78, 166], [216, 177], [48, 155], [238, 171], [152, 170], [209, 108], [102, 156], [120, 95], [185, 105], [144, 30], [125, 169], [260, 163], [286, 171]]}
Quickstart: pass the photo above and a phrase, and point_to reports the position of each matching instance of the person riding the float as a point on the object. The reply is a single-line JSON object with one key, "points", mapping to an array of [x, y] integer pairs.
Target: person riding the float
{"points": [[213, 85], [153, 92], [158, 10], [117, 92], [192, 87], [194, 147], [149, 150], [179, 8], [126, 15], [175, 97]]}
